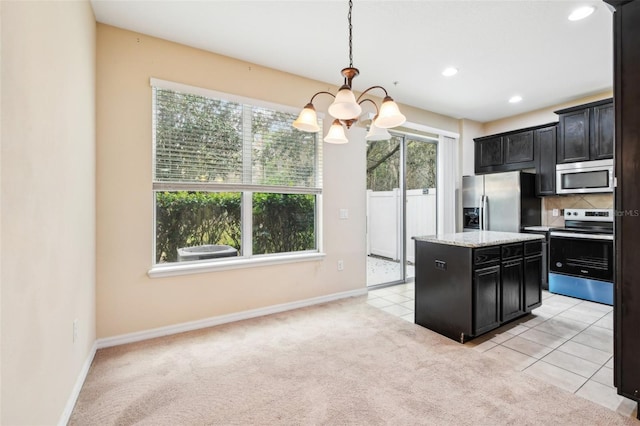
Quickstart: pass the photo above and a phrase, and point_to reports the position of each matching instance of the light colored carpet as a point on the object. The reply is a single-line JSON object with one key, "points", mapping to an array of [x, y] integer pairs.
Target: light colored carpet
{"points": [[340, 363]]}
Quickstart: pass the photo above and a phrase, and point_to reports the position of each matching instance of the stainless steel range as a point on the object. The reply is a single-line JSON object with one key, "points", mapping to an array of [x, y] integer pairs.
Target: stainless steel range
{"points": [[581, 255]]}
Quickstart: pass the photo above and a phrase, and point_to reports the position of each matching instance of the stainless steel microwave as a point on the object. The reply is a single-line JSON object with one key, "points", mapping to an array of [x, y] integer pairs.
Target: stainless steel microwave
{"points": [[585, 177]]}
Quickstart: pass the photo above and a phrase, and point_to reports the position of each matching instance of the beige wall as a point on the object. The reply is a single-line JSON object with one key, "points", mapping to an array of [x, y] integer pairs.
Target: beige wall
{"points": [[48, 205], [469, 130], [428, 118], [130, 301]]}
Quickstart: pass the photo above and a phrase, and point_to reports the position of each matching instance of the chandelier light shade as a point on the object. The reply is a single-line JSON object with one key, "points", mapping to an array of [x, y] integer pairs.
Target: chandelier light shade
{"points": [[376, 133], [346, 109], [307, 121], [389, 115], [336, 133]]}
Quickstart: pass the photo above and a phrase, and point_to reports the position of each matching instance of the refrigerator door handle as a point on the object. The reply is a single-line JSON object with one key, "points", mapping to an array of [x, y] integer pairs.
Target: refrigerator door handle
{"points": [[481, 222], [485, 212]]}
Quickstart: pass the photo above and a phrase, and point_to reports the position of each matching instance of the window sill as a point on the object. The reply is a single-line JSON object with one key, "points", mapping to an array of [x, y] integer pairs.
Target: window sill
{"points": [[174, 269]]}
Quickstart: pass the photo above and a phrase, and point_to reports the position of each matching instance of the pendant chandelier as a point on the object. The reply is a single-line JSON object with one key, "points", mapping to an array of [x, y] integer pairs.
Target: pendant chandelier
{"points": [[346, 109]]}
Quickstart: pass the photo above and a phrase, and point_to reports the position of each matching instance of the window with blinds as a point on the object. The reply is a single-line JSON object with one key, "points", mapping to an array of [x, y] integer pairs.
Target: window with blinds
{"points": [[231, 178]]}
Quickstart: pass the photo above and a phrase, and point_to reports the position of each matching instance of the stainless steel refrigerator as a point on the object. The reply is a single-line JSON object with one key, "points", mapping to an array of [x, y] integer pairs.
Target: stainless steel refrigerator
{"points": [[500, 202]]}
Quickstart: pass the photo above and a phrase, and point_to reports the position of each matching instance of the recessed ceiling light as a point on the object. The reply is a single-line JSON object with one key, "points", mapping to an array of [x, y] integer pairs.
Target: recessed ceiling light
{"points": [[581, 13], [515, 99], [448, 72]]}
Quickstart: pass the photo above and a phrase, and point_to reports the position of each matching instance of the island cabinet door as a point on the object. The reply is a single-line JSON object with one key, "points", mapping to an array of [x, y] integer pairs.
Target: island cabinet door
{"points": [[532, 280], [511, 290], [486, 299]]}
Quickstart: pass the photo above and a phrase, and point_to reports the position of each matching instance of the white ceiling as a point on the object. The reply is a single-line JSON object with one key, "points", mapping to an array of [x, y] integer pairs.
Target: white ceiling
{"points": [[501, 48]]}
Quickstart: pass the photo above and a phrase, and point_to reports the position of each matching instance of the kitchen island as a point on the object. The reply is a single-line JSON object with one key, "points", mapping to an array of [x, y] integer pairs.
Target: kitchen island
{"points": [[469, 283]]}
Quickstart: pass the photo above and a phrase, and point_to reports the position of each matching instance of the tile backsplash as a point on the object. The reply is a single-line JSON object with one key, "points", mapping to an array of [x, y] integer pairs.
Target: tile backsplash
{"points": [[587, 201]]}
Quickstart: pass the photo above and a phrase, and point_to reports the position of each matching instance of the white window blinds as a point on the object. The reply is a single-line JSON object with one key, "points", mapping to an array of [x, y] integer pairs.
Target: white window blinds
{"points": [[203, 141], [197, 139]]}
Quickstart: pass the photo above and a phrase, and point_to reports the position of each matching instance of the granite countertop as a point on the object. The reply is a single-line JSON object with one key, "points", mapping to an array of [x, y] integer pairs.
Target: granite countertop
{"points": [[537, 228], [479, 238]]}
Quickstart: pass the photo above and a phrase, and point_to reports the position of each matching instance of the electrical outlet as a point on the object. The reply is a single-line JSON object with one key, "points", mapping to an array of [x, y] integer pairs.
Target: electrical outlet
{"points": [[75, 330], [344, 213], [555, 212], [340, 265]]}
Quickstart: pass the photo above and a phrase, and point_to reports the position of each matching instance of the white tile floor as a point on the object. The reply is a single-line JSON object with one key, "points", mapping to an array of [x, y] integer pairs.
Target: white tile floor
{"points": [[566, 342], [381, 271]]}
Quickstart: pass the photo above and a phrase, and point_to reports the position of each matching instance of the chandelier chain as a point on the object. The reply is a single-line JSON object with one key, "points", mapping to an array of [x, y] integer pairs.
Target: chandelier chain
{"points": [[346, 109], [350, 36]]}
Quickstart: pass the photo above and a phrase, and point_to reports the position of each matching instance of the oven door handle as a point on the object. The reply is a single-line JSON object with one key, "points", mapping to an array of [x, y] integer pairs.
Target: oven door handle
{"points": [[582, 236]]}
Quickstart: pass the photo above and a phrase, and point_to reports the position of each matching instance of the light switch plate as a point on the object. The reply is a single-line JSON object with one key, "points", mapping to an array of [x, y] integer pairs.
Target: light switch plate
{"points": [[344, 213]]}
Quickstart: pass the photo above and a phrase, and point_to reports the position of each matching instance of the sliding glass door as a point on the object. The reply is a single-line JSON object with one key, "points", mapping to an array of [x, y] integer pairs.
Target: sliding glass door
{"points": [[420, 205], [401, 203], [384, 213]]}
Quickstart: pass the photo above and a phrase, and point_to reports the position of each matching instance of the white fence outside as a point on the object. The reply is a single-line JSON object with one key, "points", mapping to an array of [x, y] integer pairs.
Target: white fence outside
{"points": [[385, 227]]}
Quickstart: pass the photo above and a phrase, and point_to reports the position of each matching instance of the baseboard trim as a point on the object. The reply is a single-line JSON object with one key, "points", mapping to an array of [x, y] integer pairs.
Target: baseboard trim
{"points": [[75, 392], [222, 319]]}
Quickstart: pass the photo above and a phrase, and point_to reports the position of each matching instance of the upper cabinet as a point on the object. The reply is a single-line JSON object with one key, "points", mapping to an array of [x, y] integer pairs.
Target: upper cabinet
{"points": [[585, 132], [533, 147], [507, 151], [504, 152], [488, 154], [602, 135], [518, 148], [545, 155]]}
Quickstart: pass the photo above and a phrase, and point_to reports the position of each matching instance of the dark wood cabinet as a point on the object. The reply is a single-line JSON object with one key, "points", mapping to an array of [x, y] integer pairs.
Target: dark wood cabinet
{"points": [[532, 291], [585, 132], [463, 292], [511, 290], [534, 252], [512, 281], [602, 132], [488, 154], [486, 299], [545, 157], [504, 152], [443, 296], [518, 148], [574, 136], [626, 93]]}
